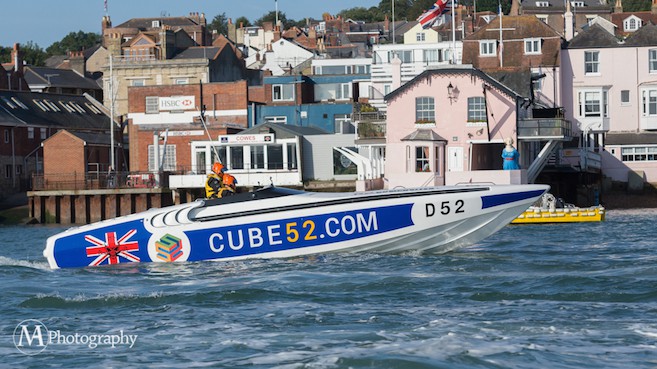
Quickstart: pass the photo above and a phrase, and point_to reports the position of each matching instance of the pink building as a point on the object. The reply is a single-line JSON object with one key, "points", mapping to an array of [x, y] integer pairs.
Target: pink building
{"points": [[610, 94], [448, 125]]}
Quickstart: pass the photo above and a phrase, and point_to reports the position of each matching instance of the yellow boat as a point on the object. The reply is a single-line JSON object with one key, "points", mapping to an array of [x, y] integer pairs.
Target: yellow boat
{"points": [[548, 212]]}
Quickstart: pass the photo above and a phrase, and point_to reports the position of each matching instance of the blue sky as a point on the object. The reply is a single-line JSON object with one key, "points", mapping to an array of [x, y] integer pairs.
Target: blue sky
{"points": [[47, 21]]}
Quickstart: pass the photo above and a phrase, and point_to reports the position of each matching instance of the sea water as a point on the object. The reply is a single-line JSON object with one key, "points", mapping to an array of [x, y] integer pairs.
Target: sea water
{"points": [[530, 296]]}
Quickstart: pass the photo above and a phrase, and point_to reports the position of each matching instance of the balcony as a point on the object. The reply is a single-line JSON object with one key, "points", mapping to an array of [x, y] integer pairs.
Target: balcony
{"points": [[370, 126], [542, 129]]}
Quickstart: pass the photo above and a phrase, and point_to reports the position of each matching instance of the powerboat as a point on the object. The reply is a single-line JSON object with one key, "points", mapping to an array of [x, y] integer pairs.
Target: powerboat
{"points": [[277, 222]]}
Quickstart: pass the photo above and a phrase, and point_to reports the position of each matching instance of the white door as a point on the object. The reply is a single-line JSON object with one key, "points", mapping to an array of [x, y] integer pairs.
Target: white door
{"points": [[455, 161]]}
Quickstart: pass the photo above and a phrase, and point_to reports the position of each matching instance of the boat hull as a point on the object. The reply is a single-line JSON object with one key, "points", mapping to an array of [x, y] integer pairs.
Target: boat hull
{"points": [[279, 225]]}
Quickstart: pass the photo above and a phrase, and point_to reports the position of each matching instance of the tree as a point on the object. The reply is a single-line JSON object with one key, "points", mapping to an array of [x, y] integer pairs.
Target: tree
{"points": [[370, 15], [219, 23], [242, 20], [74, 41], [402, 8], [33, 54], [5, 54], [271, 17]]}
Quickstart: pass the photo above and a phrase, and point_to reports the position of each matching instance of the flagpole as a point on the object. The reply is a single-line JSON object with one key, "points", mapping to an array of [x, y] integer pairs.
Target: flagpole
{"points": [[393, 21], [501, 41], [453, 36]]}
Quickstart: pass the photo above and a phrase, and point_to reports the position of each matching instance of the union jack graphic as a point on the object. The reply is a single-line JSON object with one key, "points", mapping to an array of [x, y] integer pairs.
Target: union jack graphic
{"points": [[111, 248]]}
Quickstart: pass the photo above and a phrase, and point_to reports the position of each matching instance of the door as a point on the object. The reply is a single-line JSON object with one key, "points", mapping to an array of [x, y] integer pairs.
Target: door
{"points": [[455, 161]]}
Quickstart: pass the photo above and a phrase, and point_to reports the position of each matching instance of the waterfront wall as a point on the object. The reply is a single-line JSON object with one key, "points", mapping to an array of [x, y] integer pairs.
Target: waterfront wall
{"points": [[88, 206]]}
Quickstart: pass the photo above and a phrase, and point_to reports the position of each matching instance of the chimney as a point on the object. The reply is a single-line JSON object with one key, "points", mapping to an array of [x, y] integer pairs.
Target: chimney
{"points": [[312, 33], [202, 20], [277, 33], [232, 31], [618, 7], [386, 25], [515, 8], [106, 23], [568, 23], [76, 62], [17, 59]]}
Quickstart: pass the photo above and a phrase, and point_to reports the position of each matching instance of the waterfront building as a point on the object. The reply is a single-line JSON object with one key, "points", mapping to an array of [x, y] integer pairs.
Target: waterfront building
{"points": [[610, 94]]}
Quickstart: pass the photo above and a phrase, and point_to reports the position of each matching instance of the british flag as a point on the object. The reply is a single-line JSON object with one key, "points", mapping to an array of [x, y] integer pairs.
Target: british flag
{"points": [[428, 18], [112, 248]]}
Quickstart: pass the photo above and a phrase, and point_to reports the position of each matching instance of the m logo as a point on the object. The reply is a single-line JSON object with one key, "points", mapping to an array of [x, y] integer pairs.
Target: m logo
{"points": [[31, 337]]}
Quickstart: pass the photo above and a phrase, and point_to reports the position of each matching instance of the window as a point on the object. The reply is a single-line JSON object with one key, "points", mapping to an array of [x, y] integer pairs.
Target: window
{"points": [[577, 4], [342, 123], [30, 133], [138, 82], [631, 24], [424, 110], [6, 136], [639, 153], [280, 120], [543, 18], [532, 46], [487, 48], [8, 171], [282, 92], [542, 4], [593, 103], [625, 97], [180, 81], [274, 156], [406, 56], [19, 169], [236, 157], [9, 103], [436, 161], [422, 159], [362, 69], [476, 109], [432, 56], [591, 62], [257, 157], [342, 165], [343, 92], [169, 154], [43, 133], [19, 103], [649, 102], [152, 104], [645, 153], [420, 37], [652, 60], [291, 156]]}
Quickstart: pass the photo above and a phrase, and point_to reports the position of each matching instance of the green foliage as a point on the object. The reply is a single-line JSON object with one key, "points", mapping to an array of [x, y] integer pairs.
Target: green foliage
{"points": [[33, 54], [74, 41], [636, 5], [370, 15], [219, 23], [271, 17], [5, 54], [244, 20]]}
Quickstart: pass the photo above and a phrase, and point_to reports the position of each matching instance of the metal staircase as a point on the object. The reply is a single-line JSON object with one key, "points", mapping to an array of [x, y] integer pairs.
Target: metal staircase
{"points": [[541, 159]]}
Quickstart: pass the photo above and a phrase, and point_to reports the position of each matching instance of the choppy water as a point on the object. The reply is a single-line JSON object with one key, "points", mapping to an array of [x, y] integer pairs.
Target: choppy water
{"points": [[533, 296]]}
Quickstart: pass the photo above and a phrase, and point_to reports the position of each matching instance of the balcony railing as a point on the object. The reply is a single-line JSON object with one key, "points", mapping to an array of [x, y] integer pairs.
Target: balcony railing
{"points": [[370, 130], [544, 128], [93, 181]]}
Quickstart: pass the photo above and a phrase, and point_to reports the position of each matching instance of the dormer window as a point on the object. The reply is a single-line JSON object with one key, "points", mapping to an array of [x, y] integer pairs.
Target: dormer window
{"points": [[577, 4], [542, 4], [632, 24], [155, 24]]}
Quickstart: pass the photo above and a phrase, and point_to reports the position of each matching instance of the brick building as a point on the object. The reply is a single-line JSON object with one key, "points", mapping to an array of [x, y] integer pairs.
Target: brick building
{"points": [[173, 115]]}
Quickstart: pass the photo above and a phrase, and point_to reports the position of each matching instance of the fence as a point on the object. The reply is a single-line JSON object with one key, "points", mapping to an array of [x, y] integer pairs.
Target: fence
{"points": [[98, 180]]}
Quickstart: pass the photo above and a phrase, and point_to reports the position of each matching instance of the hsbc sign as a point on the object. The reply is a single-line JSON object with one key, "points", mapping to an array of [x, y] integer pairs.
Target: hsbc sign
{"points": [[177, 103]]}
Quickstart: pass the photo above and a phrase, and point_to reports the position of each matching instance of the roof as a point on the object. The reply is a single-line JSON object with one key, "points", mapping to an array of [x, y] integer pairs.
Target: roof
{"points": [[594, 36], [452, 70], [423, 135], [644, 36], [146, 23], [198, 52], [514, 27], [557, 6], [631, 138], [283, 130], [96, 139], [516, 79], [54, 77], [21, 108]]}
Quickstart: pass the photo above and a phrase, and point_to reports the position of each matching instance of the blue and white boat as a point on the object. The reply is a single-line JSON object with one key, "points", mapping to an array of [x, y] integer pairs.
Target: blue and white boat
{"points": [[276, 222]]}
